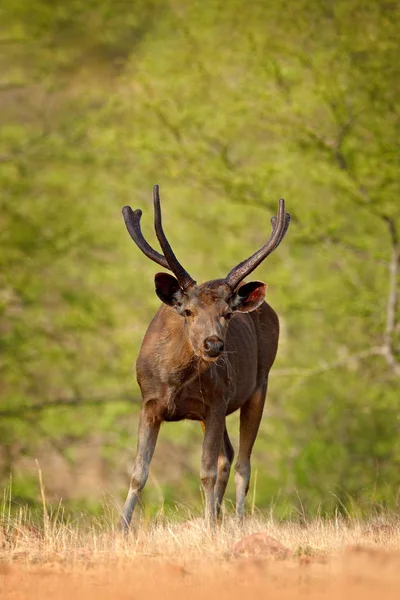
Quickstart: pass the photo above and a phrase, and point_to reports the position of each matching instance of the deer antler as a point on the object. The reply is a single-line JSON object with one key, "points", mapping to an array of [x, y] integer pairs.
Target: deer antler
{"points": [[132, 222], [280, 226], [185, 281], [167, 260]]}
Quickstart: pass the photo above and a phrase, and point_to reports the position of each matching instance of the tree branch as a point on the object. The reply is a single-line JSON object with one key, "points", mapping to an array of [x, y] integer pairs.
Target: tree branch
{"points": [[21, 411], [345, 361], [392, 299], [335, 149], [25, 149]]}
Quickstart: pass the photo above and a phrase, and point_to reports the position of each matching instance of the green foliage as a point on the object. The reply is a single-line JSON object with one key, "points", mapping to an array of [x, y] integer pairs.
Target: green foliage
{"points": [[228, 106]]}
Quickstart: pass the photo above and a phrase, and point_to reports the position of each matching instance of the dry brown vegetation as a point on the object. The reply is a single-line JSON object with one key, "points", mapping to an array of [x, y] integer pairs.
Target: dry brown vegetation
{"points": [[165, 559]]}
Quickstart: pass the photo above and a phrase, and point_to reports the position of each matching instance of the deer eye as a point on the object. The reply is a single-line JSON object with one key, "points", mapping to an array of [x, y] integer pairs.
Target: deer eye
{"points": [[228, 315], [187, 312]]}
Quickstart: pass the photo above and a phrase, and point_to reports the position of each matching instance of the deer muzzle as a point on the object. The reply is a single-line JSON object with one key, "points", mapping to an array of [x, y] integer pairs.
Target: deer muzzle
{"points": [[213, 346]]}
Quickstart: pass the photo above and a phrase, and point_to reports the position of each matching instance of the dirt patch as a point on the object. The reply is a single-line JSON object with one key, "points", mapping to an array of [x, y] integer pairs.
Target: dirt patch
{"points": [[356, 573], [172, 561]]}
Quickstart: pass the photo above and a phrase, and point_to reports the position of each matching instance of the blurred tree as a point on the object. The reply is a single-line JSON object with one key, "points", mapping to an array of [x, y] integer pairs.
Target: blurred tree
{"points": [[228, 106]]}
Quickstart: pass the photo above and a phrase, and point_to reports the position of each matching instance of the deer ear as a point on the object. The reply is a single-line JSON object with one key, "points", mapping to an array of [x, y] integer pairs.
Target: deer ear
{"points": [[168, 289], [248, 297]]}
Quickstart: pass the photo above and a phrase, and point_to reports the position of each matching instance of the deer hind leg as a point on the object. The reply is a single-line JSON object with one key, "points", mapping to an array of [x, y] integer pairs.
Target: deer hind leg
{"points": [[250, 417], [147, 439], [225, 460]]}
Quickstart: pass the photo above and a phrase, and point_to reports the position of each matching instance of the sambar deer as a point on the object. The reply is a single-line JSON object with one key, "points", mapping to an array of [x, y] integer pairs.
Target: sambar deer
{"points": [[206, 354]]}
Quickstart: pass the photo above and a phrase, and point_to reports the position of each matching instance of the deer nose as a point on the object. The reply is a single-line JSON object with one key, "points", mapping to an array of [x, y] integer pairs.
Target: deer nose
{"points": [[213, 346]]}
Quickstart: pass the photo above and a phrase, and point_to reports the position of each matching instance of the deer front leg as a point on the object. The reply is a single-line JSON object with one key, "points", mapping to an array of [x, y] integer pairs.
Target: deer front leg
{"points": [[225, 460], [147, 438], [214, 430]]}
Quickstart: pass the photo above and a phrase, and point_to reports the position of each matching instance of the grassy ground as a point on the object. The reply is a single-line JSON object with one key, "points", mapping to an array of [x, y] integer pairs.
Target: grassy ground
{"points": [[165, 559]]}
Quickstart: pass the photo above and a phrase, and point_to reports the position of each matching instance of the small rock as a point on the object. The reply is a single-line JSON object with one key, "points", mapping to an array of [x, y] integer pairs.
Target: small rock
{"points": [[261, 544]]}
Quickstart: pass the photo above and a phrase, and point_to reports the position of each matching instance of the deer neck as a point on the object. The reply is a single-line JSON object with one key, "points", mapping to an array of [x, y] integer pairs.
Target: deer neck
{"points": [[176, 352]]}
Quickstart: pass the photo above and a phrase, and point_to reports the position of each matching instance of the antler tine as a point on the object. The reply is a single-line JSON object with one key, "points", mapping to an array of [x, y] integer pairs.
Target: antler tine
{"points": [[287, 223], [132, 222], [280, 226], [185, 280]]}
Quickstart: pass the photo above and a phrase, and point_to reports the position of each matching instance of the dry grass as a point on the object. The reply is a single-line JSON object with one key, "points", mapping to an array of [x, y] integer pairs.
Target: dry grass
{"points": [[165, 559]]}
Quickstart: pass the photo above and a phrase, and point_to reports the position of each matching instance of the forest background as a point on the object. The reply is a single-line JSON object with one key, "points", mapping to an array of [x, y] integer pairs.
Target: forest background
{"points": [[228, 106]]}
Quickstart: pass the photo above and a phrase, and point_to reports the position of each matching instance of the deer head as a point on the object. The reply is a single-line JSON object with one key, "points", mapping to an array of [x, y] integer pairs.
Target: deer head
{"points": [[207, 308]]}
